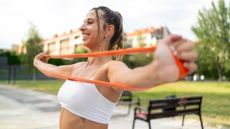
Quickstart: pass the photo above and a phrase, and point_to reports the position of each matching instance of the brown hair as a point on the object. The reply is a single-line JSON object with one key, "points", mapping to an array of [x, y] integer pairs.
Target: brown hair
{"points": [[112, 18]]}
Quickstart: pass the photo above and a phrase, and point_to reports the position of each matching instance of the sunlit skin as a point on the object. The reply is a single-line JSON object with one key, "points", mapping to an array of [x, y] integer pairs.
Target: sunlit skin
{"points": [[161, 70]]}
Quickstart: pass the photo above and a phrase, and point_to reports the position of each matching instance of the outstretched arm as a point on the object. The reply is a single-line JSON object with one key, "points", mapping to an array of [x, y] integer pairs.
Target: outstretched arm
{"points": [[162, 69], [40, 62]]}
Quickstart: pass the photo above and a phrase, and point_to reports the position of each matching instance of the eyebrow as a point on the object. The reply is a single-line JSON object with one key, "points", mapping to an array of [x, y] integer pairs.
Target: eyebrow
{"points": [[91, 19]]}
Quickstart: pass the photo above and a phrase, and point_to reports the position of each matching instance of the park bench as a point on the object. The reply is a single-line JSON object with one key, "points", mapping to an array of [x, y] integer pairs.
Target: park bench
{"points": [[127, 98], [170, 107]]}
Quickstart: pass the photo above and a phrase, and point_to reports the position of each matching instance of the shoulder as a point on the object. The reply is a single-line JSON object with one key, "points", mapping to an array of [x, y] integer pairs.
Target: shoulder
{"points": [[77, 65], [115, 63], [117, 67], [112, 67]]}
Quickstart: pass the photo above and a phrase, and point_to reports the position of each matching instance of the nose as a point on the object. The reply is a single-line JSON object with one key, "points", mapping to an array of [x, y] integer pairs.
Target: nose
{"points": [[82, 27]]}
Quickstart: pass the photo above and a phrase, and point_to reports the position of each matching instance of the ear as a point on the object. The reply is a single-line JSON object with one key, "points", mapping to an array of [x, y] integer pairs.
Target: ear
{"points": [[110, 30]]}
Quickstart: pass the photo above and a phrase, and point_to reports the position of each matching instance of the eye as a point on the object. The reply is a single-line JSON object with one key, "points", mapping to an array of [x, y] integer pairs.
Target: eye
{"points": [[89, 22]]}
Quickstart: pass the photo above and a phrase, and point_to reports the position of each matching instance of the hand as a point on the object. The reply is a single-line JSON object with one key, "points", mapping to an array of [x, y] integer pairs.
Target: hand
{"points": [[41, 57], [182, 48], [185, 52]]}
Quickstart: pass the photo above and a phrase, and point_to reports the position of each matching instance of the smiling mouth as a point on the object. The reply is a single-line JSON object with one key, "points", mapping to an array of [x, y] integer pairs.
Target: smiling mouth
{"points": [[85, 34], [85, 37]]}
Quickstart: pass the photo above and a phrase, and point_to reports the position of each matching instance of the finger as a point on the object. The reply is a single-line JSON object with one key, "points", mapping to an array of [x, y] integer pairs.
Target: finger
{"points": [[41, 56], [173, 46], [188, 56], [187, 46], [176, 44], [43, 53], [175, 37], [192, 67], [171, 39]]}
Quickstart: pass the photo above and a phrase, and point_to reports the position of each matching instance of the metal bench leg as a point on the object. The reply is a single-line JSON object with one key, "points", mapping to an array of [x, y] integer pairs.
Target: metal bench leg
{"points": [[183, 116], [130, 105], [183, 120], [133, 123], [149, 123], [201, 121]]}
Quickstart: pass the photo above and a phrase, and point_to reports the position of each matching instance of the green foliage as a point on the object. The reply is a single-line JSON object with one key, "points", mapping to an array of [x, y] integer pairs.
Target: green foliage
{"points": [[12, 57], [213, 33], [58, 62], [33, 46], [137, 60], [80, 49]]}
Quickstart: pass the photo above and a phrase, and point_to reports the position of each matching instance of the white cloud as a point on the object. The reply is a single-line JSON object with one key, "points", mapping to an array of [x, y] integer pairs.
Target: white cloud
{"points": [[57, 16]]}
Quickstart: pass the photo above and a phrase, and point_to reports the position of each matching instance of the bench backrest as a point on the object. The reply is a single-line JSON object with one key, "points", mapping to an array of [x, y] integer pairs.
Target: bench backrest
{"points": [[126, 96], [174, 107]]}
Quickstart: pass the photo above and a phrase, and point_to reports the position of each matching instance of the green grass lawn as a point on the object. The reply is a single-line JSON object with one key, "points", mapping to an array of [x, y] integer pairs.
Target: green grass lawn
{"points": [[48, 86], [216, 95], [216, 98]]}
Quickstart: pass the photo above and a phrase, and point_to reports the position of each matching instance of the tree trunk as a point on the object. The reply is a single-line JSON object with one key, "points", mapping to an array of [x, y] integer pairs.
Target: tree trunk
{"points": [[34, 74], [220, 69]]}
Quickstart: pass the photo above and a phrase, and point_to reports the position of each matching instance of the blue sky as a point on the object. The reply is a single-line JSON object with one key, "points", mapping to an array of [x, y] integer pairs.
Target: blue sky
{"points": [[57, 16]]}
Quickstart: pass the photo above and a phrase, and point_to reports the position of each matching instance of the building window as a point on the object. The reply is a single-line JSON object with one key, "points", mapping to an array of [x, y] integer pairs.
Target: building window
{"points": [[51, 48], [64, 46]]}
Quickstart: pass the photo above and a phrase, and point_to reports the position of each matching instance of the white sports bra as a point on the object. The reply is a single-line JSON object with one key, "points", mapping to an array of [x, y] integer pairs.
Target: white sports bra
{"points": [[84, 100]]}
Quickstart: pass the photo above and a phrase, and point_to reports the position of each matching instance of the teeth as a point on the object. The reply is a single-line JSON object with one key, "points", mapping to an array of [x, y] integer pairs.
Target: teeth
{"points": [[85, 33]]}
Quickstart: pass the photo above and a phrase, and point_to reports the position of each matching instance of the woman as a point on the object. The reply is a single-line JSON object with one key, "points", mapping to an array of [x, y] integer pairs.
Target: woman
{"points": [[89, 106]]}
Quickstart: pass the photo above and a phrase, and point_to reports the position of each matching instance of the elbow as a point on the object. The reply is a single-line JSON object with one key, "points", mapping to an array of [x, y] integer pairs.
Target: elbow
{"points": [[51, 72], [55, 72]]}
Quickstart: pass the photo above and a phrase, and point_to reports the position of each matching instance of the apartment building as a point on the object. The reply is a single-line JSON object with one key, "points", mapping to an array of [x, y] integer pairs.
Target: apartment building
{"points": [[147, 36], [67, 42], [19, 48]]}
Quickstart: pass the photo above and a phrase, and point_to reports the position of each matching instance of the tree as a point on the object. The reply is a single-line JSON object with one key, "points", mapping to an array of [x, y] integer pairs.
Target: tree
{"points": [[12, 57], [33, 47], [213, 35]]}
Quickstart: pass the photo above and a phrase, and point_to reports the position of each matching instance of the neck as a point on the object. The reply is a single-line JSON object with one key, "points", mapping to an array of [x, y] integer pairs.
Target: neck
{"points": [[98, 60]]}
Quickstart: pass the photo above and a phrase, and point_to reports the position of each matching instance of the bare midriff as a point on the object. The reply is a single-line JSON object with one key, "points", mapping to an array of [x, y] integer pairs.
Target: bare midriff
{"points": [[71, 121]]}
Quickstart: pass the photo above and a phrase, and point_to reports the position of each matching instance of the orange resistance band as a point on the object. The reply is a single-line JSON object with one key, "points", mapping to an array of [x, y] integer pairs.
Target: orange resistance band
{"points": [[182, 70]]}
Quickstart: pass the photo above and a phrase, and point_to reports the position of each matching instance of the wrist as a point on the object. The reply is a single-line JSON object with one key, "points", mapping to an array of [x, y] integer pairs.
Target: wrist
{"points": [[156, 72]]}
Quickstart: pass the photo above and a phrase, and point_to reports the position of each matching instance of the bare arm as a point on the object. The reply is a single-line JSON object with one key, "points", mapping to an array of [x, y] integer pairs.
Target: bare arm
{"points": [[161, 70], [141, 76], [40, 62]]}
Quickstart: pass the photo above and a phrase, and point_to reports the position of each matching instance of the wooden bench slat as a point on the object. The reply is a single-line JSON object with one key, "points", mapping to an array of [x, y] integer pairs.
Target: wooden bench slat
{"points": [[173, 105], [198, 98], [172, 114], [170, 107]]}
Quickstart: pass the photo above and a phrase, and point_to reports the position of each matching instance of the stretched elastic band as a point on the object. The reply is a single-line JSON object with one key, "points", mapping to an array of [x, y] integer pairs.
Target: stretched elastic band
{"points": [[182, 70], [105, 53]]}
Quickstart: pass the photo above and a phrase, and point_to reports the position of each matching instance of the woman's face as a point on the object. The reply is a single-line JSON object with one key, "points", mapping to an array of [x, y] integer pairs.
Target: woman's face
{"points": [[89, 29]]}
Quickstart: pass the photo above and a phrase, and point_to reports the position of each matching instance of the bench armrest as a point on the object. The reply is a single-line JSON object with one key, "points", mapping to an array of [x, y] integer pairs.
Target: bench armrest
{"points": [[139, 109]]}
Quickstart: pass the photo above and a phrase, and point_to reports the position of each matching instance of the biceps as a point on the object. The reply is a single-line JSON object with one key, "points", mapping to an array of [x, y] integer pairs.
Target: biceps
{"points": [[118, 73], [61, 71], [66, 69]]}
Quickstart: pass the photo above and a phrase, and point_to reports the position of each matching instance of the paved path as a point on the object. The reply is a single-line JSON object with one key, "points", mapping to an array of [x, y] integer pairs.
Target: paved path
{"points": [[26, 109]]}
